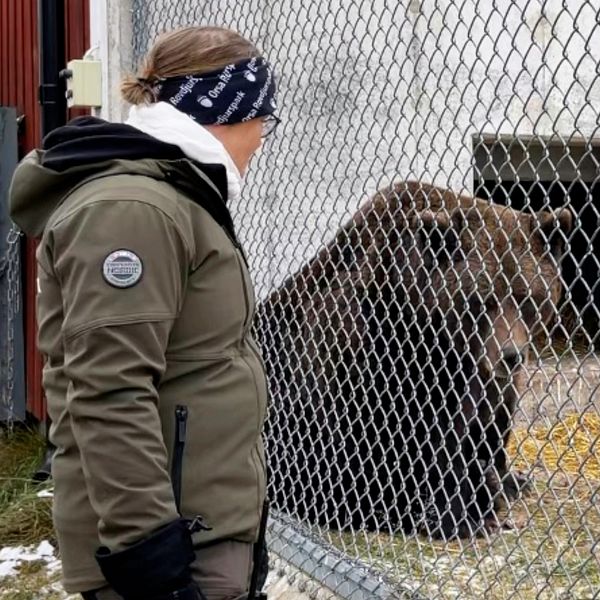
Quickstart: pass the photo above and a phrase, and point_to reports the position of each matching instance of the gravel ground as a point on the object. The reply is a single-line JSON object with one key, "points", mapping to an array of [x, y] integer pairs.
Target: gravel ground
{"points": [[33, 573]]}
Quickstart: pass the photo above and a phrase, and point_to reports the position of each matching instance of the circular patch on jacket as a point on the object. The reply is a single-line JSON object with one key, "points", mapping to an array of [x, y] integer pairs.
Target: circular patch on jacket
{"points": [[122, 268]]}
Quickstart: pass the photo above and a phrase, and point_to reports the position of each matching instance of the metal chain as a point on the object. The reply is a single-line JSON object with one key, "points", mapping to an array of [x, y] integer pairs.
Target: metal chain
{"points": [[10, 271]]}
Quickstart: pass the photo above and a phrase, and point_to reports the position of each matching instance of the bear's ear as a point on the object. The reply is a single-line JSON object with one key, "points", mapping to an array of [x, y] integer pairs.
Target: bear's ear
{"points": [[553, 227], [440, 234]]}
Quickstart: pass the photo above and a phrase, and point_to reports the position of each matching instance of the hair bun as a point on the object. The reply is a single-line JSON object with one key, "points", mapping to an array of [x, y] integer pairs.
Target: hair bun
{"points": [[138, 90]]}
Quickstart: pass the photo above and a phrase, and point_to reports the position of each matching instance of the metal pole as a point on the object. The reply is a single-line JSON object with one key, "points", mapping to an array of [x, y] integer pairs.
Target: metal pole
{"points": [[51, 36]]}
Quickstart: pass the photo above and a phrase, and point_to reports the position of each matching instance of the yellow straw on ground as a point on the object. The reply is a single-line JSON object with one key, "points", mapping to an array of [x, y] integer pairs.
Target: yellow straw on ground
{"points": [[571, 445]]}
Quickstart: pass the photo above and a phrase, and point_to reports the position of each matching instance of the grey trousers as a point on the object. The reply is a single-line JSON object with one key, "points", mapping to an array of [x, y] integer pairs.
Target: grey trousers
{"points": [[222, 571]]}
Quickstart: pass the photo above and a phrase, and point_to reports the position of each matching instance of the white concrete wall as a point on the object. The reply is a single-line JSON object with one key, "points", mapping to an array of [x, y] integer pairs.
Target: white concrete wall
{"points": [[376, 91]]}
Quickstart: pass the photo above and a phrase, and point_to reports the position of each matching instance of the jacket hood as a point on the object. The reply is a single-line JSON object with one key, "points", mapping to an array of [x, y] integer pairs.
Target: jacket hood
{"points": [[88, 148]]}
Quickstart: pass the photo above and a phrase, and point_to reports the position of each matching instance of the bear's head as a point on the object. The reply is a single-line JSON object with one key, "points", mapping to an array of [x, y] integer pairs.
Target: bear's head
{"points": [[506, 283], [489, 275]]}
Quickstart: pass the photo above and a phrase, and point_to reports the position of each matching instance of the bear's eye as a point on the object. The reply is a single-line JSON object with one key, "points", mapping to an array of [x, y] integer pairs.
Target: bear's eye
{"points": [[482, 304], [476, 303], [491, 302], [529, 309]]}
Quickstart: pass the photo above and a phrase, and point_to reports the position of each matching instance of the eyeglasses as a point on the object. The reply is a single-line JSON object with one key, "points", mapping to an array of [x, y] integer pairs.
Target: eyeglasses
{"points": [[269, 125]]}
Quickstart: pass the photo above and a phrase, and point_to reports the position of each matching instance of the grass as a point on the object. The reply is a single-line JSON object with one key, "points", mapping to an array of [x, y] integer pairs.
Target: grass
{"points": [[32, 584], [24, 518]]}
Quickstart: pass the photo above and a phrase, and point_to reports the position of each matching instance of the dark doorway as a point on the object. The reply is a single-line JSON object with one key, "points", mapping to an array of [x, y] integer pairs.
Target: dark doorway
{"points": [[534, 175], [580, 263]]}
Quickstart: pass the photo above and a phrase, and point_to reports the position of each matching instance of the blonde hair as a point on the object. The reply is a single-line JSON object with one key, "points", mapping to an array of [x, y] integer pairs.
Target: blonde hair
{"points": [[187, 51]]}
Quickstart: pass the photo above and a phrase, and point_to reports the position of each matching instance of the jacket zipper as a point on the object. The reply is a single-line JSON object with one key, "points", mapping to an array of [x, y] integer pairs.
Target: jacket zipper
{"points": [[247, 321], [256, 353], [246, 326], [258, 465], [181, 415]]}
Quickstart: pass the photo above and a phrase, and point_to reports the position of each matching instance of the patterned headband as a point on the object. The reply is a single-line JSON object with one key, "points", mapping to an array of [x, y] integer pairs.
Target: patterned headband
{"points": [[239, 92]]}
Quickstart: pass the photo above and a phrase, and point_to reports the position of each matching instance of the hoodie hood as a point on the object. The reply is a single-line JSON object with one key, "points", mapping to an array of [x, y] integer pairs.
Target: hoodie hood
{"points": [[89, 148], [88, 140], [167, 124]]}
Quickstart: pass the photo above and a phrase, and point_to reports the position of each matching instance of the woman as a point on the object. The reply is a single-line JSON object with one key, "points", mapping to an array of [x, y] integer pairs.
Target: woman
{"points": [[155, 387]]}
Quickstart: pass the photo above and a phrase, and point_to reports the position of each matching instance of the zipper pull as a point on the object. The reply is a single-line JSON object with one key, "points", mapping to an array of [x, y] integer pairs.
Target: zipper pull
{"points": [[198, 524], [181, 414]]}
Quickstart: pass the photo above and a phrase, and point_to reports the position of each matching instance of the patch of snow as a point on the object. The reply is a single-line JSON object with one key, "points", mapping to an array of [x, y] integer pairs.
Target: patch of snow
{"points": [[7, 568], [11, 557], [45, 549]]}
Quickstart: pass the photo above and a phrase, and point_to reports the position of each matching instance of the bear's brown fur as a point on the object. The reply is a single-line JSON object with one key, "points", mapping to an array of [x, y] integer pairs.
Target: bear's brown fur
{"points": [[395, 360]]}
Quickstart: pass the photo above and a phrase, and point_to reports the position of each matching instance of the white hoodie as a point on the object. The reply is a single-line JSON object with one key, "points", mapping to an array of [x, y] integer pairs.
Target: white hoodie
{"points": [[167, 124]]}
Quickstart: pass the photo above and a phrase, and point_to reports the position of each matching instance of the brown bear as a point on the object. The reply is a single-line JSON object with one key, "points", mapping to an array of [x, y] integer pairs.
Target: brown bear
{"points": [[395, 358]]}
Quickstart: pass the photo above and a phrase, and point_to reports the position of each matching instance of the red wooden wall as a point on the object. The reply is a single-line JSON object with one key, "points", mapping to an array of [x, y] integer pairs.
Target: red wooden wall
{"points": [[77, 17], [19, 78], [19, 82]]}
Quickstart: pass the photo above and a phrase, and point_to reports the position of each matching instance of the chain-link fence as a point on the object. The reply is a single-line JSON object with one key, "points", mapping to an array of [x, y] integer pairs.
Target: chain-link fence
{"points": [[435, 416]]}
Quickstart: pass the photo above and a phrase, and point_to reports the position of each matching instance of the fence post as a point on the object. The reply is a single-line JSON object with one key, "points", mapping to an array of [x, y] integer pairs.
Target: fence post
{"points": [[110, 38]]}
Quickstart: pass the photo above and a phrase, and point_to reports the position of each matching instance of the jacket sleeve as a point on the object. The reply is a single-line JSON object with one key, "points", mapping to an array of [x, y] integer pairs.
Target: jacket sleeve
{"points": [[114, 342]]}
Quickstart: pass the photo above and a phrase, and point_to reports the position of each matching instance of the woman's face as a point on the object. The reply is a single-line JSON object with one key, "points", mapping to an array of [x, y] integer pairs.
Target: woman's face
{"points": [[241, 140]]}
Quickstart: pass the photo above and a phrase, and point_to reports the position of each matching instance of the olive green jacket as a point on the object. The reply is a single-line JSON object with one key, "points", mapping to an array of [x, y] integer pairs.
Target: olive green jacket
{"points": [[156, 391]]}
